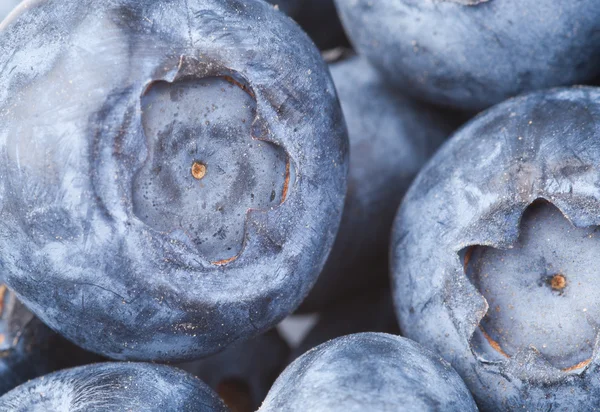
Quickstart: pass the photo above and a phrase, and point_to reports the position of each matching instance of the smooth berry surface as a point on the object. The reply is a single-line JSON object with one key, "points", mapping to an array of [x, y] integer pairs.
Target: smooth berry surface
{"points": [[109, 387], [369, 371], [471, 54]]}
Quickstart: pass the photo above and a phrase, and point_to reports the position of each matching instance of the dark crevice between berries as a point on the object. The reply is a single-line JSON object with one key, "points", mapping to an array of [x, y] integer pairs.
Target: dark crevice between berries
{"points": [[209, 162], [14, 318], [236, 394], [541, 292]]}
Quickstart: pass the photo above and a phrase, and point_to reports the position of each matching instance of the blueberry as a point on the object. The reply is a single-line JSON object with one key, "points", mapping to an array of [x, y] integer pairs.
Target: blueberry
{"points": [[369, 372], [28, 348], [114, 387], [370, 311], [173, 172], [243, 373], [494, 249], [471, 54], [391, 137]]}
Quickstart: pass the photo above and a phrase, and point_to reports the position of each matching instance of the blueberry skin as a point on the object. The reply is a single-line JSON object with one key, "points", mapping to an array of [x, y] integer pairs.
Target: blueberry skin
{"points": [[114, 386], [28, 348], [369, 372], [391, 138], [371, 311], [244, 372], [471, 54], [72, 244], [543, 145]]}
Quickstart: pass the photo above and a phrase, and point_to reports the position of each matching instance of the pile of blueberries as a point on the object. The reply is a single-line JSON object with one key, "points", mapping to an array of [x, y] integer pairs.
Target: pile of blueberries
{"points": [[184, 182]]}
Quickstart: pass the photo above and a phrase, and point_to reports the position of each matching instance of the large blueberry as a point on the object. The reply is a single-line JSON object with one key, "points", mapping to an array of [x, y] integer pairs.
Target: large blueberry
{"points": [[173, 172], [369, 372], [243, 373], [494, 252], [110, 387], [391, 137], [471, 54], [28, 348]]}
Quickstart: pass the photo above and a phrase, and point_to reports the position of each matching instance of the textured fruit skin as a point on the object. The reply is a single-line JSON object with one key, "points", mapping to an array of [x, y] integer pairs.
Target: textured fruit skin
{"points": [[72, 143], [255, 364], [473, 54], [544, 145], [28, 348], [116, 386], [391, 137], [369, 371]]}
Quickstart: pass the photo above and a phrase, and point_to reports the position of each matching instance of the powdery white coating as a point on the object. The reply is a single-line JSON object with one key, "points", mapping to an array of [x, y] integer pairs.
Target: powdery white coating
{"points": [[369, 372], [473, 192], [72, 73], [113, 387], [472, 56], [391, 137]]}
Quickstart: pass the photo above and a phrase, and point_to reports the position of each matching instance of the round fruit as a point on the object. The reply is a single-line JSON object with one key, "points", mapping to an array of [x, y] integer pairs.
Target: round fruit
{"points": [[172, 175], [117, 386], [471, 54], [369, 372], [494, 252]]}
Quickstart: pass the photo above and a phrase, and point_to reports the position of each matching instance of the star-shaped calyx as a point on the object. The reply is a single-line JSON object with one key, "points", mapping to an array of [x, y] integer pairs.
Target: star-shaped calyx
{"points": [[543, 292], [205, 166]]}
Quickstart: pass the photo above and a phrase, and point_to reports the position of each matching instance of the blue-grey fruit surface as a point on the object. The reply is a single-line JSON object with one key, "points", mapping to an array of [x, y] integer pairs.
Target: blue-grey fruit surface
{"points": [[471, 54], [115, 386], [369, 372], [173, 172], [494, 250]]}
